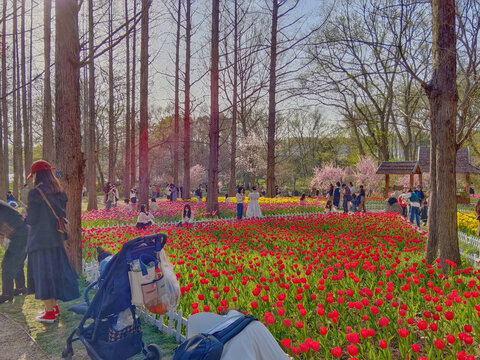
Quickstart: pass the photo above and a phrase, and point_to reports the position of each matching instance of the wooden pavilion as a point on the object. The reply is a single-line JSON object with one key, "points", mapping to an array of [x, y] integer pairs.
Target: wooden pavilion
{"points": [[463, 166], [400, 168]]}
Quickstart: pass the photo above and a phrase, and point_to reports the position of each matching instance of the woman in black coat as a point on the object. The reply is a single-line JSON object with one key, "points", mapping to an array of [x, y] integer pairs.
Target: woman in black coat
{"points": [[51, 277]]}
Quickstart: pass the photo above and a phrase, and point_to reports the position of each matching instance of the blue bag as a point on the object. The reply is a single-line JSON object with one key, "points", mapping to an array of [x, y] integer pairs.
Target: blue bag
{"points": [[210, 346]]}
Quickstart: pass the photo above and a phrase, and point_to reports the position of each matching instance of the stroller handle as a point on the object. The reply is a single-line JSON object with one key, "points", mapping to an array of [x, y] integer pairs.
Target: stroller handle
{"points": [[158, 240]]}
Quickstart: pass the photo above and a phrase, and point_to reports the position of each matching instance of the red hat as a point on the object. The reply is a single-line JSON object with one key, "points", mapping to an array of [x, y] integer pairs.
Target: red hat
{"points": [[39, 165]]}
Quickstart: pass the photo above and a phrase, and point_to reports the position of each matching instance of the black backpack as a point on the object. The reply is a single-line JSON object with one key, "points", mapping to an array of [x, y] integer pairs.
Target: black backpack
{"points": [[210, 346]]}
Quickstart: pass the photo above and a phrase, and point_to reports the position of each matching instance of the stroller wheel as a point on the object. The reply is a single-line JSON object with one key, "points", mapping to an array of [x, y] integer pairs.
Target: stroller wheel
{"points": [[67, 354], [154, 352]]}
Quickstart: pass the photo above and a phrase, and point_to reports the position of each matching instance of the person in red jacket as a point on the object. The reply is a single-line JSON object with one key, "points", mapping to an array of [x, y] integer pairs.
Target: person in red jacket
{"points": [[403, 203]]}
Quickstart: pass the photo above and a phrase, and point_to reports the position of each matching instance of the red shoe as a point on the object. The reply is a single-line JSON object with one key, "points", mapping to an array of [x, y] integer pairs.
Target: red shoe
{"points": [[47, 317], [56, 310]]}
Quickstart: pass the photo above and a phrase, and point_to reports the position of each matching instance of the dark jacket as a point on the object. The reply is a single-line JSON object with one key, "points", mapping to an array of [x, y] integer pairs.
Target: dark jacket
{"points": [[336, 196], [43, 233], [11, 221], [13, 227]]}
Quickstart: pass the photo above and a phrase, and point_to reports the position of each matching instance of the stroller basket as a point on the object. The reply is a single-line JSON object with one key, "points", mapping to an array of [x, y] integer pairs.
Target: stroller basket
{"points": [[101, 337], [113, 344]]}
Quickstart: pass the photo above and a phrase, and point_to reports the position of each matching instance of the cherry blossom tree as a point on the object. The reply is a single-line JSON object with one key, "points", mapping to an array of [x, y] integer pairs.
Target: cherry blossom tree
{"points": [[251, 158], [328, 174], [198, 174], [365, 173]]}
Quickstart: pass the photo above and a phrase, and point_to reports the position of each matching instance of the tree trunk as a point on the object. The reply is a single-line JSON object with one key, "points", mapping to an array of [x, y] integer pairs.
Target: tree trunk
{"points": [[17, 124], [133, 159], [272, 105], [30, 83], [91, 148], [432, 241], [143, 139], [28, 158], [111, 115], [4, 183], [233, 145], [47, 124], [126, 177], [186, 119], [177, 95], [443, 96], [70, 161], [212, 194]]}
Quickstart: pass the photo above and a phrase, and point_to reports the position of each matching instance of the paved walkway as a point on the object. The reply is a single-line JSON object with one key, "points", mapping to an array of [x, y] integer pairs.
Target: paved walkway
{"points": [[15, 343]]}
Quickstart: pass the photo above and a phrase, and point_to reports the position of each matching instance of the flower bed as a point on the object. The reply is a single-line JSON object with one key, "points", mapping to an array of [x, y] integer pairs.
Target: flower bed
{"points": [[171, 211], [326, 286], [467, 222]]}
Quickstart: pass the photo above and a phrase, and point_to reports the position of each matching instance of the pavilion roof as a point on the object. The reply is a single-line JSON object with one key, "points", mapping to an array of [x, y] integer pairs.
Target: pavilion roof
{"points": [[464, 160], [399, 167]]}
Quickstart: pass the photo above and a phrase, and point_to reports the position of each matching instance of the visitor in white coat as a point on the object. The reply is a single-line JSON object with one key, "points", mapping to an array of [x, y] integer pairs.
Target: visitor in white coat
{"points": [[253, 209]]}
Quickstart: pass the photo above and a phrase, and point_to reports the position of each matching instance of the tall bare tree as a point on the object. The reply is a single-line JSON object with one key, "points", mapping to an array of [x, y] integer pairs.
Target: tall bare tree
{"points": [[28, 153], [143, 126], [133, 158], [214, 133], [233, 135], [68, 144], [177, 96], [186, 116], [272, 101], [111, 99], [16, 108], [91, 148], [128, 126], [4, 183], [443, 97], [47, 124]]}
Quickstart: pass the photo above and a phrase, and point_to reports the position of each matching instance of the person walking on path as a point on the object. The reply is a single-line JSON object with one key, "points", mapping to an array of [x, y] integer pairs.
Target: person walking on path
{"points": [[112, 197], [198, 193], [420, 194], [414, 206], [347, 197], [13, 227], [253, 209], [403, 203], [352, 188], [330, 192], [361, 204], [51, 276], [173, 192], [106, 190], [336, 196], [240, 199]]}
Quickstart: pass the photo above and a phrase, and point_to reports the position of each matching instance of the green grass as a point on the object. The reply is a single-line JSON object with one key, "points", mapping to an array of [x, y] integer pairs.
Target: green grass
{"points": [[52, 337]]}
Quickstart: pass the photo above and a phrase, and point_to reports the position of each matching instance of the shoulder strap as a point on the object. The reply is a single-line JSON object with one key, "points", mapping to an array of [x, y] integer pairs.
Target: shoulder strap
{"points": [[233, 329], [48, 202]]}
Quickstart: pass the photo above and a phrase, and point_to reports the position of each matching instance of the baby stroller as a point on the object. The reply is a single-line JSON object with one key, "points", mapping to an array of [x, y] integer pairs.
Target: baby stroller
{"points": [[102, 337]]}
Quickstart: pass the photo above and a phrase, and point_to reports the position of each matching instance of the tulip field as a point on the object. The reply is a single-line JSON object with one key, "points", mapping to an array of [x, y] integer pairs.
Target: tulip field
{"points": [[327, 286], [171, 211]]}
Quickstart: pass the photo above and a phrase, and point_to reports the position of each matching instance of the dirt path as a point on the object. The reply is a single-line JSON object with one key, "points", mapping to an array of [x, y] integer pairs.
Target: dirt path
{"points": [[15, 343]]}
